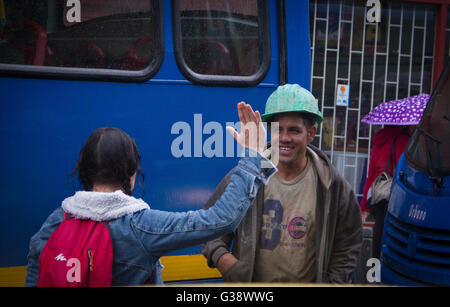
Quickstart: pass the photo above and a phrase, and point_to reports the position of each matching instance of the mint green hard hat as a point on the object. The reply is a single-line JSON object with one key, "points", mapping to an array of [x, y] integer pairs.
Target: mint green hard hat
{"points": [[291, 98]]}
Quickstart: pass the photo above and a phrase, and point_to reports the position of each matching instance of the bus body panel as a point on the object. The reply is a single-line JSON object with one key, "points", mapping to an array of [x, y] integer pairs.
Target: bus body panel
{"points": [[45, 122]]}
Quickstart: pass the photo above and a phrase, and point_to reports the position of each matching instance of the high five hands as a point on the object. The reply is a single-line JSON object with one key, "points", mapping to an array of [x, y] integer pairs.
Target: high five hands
{"points": [[253, 133]]}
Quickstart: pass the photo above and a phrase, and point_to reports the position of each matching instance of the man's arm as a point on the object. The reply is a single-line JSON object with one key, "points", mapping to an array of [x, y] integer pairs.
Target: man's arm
{"points": [[214, 250]]}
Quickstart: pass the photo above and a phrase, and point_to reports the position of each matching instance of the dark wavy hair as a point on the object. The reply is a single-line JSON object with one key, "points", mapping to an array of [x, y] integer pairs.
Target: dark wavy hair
{"points": [[110, 156]]}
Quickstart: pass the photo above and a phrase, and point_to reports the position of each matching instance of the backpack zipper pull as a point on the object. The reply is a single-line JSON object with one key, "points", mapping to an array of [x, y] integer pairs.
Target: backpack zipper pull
{"points": [[90, 257], [90, 265]]}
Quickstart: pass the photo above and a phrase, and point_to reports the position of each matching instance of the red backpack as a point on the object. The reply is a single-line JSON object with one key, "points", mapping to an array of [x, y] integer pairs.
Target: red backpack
{"points": [[77, 254]]}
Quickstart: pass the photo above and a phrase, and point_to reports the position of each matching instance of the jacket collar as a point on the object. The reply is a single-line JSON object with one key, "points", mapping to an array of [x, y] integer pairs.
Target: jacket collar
{"points": [[101, 206], [322, 164]]}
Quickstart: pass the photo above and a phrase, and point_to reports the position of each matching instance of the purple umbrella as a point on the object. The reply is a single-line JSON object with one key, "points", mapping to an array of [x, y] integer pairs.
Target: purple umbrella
{"points": [[407, 111]]}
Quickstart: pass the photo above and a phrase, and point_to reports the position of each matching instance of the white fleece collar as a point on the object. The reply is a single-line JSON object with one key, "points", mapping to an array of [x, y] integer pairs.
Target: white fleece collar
{"points": [[101, 206]]}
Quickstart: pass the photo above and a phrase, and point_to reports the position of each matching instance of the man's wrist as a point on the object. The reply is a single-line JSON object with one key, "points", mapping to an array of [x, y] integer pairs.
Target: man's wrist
{"points": [[225, 262]]}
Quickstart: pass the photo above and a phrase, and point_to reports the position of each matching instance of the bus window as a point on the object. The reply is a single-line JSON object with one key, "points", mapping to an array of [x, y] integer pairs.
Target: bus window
{"points": [[90, 34], [220, 41], [429, 147]]}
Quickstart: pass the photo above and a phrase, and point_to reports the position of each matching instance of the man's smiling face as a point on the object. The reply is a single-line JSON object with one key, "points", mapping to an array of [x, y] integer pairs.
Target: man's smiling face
{"points": [[293, 137]]}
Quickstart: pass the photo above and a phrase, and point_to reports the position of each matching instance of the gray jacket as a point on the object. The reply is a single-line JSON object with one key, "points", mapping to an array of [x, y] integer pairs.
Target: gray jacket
{"points": [[338, 235]]}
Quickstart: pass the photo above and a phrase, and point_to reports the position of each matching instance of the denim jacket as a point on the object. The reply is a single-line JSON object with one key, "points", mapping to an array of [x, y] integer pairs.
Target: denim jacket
{"points": [[140, 235]]}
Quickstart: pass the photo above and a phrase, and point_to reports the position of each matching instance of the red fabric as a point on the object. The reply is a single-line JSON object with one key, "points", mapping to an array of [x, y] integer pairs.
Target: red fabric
{"points": [[78, 253], [379, 156]]}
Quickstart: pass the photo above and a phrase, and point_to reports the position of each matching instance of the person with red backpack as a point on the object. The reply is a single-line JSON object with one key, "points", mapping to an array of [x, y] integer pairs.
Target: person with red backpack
{"points": [[103, 236]]}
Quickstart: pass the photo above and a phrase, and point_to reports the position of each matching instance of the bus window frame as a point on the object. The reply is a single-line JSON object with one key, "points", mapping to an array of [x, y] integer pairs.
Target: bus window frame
{"points": [[224, 80], [96, 74]]}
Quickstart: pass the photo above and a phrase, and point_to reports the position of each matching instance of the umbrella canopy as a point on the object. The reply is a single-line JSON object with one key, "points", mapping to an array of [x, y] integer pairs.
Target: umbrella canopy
{"points": [[402, 112]]}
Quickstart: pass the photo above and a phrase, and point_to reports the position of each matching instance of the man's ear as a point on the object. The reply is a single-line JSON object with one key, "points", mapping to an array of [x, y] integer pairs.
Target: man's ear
{"points": [[312, 133]]}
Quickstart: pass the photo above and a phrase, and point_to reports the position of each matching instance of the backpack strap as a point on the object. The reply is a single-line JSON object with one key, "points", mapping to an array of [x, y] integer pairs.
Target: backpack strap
{"points": [[67, 216]]}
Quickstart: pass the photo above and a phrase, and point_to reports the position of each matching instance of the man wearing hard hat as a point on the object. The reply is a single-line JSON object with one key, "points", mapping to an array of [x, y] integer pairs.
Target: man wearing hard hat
{"points": [[305, 224]]}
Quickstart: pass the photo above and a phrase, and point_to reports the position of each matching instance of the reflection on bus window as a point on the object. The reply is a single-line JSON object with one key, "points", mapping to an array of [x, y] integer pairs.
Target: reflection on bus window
{"points": [[429, 147], [111, 34], [221, 37]]}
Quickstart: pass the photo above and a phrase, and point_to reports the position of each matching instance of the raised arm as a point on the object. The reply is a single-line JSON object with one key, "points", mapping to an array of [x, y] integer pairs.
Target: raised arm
{"points": [[162, 232]]}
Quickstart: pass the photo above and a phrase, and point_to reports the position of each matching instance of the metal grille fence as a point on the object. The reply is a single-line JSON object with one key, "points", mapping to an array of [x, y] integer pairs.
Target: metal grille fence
{"points": [[380, 61]]}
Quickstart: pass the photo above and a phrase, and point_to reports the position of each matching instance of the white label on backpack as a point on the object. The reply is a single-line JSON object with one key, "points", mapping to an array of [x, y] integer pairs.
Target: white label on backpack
{"points": [[60, 257], [74, 273]]}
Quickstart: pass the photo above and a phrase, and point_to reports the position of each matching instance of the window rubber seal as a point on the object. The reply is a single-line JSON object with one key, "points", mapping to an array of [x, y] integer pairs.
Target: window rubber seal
{"points": [[224, 80], [282, 43]]}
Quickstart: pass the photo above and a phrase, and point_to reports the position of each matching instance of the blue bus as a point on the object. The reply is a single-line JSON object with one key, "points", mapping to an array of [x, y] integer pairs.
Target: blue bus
{"points": [[169, 73], [416, 239]]}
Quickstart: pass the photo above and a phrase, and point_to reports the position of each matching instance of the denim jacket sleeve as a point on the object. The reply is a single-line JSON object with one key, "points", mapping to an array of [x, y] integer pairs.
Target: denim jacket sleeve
{"points": [[161, 232], [37, 243]]}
